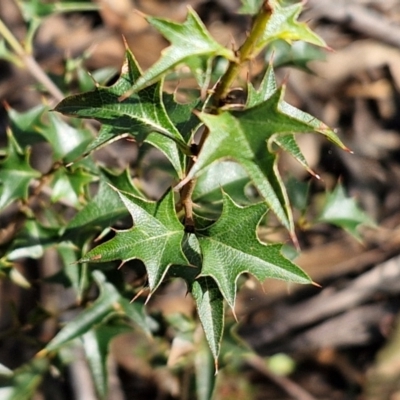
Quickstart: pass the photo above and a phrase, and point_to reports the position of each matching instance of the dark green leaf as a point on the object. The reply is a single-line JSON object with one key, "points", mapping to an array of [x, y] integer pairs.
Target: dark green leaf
{"points": [[155, 238], [138, 115], [228, 254]]}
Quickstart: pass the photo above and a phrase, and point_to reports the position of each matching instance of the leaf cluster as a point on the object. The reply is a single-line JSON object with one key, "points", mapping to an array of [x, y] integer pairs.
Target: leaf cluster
{"points": [[224, 179]]}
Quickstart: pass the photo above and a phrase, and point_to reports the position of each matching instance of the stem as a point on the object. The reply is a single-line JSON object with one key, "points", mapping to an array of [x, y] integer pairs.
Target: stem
{"points": [[244, 53], [30, 63]]}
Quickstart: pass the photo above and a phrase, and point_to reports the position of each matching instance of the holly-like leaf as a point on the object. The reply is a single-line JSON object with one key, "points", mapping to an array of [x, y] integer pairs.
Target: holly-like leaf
{"points": [[343, 211], [189, 39], [228, 254], [246, 137], [15, 173], [138, 115], [155, 238], [283, 25]]}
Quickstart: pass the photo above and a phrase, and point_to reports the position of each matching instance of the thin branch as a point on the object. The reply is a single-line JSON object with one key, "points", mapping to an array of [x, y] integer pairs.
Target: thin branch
{"points": [[30, 63]]}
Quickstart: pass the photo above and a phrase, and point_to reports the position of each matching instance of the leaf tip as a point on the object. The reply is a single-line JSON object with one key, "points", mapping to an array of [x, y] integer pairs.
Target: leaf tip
{"points": [[316, 284]]}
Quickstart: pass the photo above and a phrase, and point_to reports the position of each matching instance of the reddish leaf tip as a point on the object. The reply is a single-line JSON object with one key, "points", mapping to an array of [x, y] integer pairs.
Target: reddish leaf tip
{"points": [[316, 284]]}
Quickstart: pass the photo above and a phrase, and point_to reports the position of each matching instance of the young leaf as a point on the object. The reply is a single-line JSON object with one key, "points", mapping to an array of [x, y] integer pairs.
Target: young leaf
{"points": [[15, 174], [227, 255], [283, 25], [138, 115], [344, 212], [190, 39], [155, 238]]}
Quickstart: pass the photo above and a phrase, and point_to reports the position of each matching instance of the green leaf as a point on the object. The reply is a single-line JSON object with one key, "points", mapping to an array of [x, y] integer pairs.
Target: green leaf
{"points": [[15, 174], [189, 39], [210, 309], [246, 137], [96, 343], [23, 382], [138, 115], [343, 211], [155, 238], [104, 209], [230, 247], [66, 142], [283, 25]]}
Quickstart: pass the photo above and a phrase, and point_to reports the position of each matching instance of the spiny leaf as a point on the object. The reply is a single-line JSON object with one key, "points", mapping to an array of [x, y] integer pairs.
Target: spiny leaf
{"points": [[138, 115], [246, 136], [228, 254], [283, 25], [15, 173], [155, 238], [189, 39]]}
